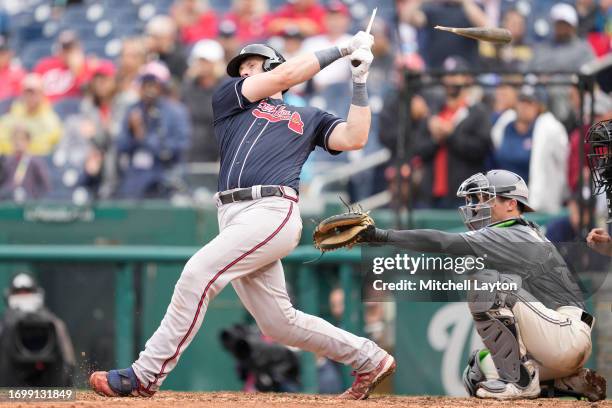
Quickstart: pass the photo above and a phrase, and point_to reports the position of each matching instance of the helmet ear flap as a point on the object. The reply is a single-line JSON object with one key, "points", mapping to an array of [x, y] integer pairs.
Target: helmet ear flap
{"points": [[267, 65]]}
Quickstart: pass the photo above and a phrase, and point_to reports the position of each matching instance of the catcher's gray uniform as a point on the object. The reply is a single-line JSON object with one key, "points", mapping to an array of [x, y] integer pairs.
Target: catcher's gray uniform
{"points": [[547, 311]]}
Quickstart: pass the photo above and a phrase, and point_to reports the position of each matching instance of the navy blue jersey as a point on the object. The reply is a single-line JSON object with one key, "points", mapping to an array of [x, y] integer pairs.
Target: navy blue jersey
{"points": [[265, 142]]}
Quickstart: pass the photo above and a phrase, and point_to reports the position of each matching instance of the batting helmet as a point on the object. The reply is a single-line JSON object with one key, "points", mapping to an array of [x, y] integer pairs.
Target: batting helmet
{"points": [[502, 183], [599, 139], [272, 57]]}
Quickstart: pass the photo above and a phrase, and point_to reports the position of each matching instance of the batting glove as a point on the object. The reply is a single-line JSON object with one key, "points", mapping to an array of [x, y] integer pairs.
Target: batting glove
{"points": [[359, 40], [364, 57]]}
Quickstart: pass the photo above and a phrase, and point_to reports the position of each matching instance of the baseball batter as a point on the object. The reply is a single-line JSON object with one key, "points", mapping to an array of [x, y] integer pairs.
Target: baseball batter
{"points": [[263, 145], [537, 333]]}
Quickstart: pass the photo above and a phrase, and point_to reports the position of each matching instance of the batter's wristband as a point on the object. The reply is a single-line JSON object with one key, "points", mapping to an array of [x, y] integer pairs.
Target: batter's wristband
{"points": [[360, 94], [327, 56]]}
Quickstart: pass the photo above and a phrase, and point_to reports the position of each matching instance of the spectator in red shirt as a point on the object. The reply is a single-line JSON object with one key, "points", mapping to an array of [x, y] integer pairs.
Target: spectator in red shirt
{"points": [[251, 18], [307, 15], [194, 19], [67, 71], [11, 75]]}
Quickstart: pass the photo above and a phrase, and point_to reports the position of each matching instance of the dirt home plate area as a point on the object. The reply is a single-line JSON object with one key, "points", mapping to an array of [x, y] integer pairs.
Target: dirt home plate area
{"points": [[243, 400]]}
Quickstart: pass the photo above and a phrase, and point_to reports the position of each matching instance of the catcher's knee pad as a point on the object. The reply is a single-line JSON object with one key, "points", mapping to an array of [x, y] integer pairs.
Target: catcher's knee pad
{"points": [[499, 332]]}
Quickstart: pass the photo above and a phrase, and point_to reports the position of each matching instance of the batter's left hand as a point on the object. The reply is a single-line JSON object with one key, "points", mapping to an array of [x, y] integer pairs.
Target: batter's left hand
{"points": [[364, 57]]}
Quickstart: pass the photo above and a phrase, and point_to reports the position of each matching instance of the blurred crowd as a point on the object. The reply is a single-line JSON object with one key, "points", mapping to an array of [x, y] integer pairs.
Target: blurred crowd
{"points": [[111, 99]]}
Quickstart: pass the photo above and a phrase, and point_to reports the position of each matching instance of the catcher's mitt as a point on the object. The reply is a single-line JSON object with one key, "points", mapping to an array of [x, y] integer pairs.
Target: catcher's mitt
{"points": [[342, 230]]}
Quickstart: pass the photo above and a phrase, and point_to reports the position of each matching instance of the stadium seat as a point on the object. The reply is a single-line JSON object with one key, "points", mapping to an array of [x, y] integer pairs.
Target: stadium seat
{"points": [[147, 11], [95, 12]]}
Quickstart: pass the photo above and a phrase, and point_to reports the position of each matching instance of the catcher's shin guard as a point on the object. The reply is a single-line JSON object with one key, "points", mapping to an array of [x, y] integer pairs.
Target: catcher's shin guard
{"points": [[498, 331]]}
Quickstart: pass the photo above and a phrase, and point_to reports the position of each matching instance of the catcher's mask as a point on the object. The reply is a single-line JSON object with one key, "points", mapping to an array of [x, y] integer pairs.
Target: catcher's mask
{"points": [[480, 191], [599, 139], [272, 57]]}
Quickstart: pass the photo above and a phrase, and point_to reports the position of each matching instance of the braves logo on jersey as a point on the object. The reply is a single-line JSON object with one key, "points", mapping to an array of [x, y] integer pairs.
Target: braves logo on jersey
{"points": [[279, 113]]}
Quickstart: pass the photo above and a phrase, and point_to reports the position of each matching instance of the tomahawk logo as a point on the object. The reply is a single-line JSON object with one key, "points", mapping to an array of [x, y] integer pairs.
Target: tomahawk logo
{"points": [[275, 114], [296, 124]]}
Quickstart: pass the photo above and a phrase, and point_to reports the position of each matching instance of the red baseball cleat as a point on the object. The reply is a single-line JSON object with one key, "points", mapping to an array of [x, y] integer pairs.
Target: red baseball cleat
{"points": [[365, 383]]}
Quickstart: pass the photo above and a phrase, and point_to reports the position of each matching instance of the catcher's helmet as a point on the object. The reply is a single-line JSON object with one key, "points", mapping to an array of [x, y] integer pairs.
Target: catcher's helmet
{"points": [[272, 57], [599, 139], [502, 183]]}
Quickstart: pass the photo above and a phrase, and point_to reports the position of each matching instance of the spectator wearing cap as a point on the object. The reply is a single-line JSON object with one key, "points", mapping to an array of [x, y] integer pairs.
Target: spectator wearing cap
{"points": [[337, 23], [251, 17], [514, 56], [154, 137], [531, 142], [436, 46], [24, 176], [565, 51], [65, 73], [206, 67], [195, 20], [455, 141], [11, 74], [33, 111], [162, 43], [307, 15], [228, 39]]}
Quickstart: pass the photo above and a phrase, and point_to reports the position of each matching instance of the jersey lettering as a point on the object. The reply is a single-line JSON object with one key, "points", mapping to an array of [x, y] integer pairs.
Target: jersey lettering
{"points": [[279, 113]]}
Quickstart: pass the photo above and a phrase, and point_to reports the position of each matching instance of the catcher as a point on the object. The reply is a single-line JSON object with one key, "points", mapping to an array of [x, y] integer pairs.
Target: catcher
{"points": [[541, 331]]}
